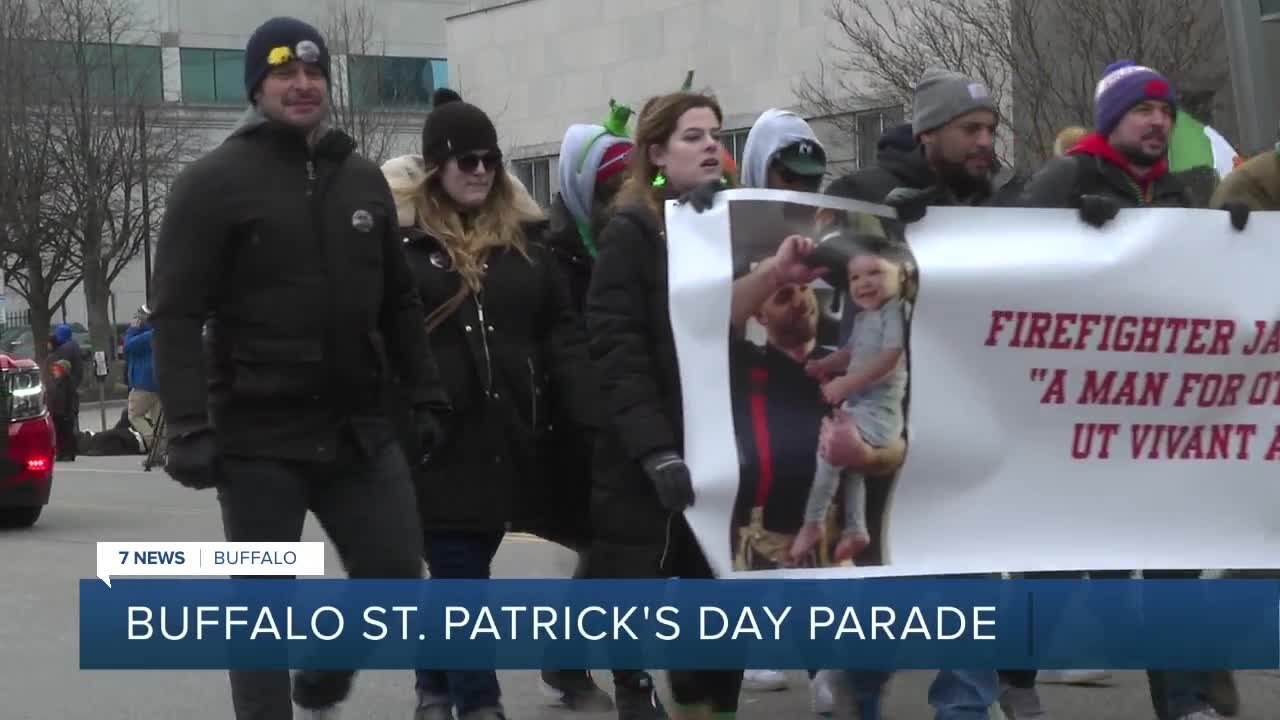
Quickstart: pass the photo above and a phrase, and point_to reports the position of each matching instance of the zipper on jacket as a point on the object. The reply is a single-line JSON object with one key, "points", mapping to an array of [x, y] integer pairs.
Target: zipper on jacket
{"points": [[484, 341], [311, 177], [533, 396]]}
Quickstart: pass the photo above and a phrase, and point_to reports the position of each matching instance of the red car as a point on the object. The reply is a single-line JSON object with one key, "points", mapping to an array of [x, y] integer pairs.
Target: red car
{"points": [[26, 467]]}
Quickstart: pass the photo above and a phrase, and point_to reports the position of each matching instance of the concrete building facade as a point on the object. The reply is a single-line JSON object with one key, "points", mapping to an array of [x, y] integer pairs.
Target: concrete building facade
{"points": [[538, 66]]}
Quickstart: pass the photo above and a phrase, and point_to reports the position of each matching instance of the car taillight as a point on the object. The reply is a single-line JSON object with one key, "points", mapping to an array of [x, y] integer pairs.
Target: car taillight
{"points": [[38, 463]]}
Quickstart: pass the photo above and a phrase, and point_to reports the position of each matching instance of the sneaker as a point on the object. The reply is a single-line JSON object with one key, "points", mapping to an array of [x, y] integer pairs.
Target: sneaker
{"points": [[1021, 704], [575, 690], [328, 713], [764, 680], [1072, 677], [1206, 714], [822, 695], [639, 700], [1223, 694]]}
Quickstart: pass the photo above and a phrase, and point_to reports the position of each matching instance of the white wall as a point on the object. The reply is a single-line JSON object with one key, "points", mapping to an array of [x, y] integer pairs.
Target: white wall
{"points": [[540, 65]]}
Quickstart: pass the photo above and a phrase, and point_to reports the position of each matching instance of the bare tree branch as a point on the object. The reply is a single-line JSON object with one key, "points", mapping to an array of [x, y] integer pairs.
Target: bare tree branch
{"points": [[1040, 58], [109, 138]]}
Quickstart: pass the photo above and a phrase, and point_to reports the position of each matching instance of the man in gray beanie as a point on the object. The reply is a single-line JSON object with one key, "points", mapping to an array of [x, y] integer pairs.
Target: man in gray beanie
{"points": [[945, 157]]}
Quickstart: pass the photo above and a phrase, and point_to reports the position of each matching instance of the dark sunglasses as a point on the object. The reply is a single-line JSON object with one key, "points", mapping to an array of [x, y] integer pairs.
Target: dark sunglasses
{"points": [[469, 163]]}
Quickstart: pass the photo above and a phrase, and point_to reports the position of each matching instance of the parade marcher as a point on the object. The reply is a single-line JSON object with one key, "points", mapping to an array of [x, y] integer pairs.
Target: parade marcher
{"points": [[783, 153], [513, 359], [593, 163], [1253, 185], [1123, 163], [144, 402], [282, 407], [948, 159], [642, 485]]}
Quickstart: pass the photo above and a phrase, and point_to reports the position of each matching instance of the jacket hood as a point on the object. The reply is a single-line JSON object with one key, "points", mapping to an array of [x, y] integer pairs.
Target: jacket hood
{"points": [[898, 136], [1096, 145], [581, 151], [772, 131], [405, 175], [61, 334]]}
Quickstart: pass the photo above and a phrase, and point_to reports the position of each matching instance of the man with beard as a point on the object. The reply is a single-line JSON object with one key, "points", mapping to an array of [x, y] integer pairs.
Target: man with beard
{"points": [[947, 158], [1123, 164]]}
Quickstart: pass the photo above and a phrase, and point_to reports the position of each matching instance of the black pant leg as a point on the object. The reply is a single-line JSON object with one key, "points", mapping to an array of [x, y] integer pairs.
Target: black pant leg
{"points": [[367, 507], [262, 501]]}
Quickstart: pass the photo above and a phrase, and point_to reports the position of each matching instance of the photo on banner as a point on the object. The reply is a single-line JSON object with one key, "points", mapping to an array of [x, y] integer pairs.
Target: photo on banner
{"points": [[1082, 402], [830, 348]]}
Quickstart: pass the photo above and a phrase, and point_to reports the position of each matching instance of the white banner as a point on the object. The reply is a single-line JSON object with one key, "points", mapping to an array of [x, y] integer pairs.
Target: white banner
{"points": [[1076, 399]]}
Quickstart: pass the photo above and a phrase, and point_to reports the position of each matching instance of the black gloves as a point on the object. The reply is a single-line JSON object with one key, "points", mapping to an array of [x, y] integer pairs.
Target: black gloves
{"points": [[670, 477], [1098, 210], [192, 459], [703, 196], [428, 430], [911, 203], [1239, 213]]}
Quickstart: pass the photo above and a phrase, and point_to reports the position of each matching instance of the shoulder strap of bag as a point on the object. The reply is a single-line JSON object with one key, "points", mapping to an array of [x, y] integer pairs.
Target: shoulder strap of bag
{"points": [[446, 309]]}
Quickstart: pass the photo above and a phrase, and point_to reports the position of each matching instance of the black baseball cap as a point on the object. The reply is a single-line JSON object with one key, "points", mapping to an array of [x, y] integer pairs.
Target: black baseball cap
{"points": [[805, 157]]}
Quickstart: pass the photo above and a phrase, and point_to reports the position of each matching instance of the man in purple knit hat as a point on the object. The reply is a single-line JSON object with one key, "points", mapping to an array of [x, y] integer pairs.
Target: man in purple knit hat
{"points": [[1122, 164]]}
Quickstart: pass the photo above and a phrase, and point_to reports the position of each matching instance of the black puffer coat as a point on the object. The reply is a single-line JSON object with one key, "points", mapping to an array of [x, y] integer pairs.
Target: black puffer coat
{"points": [[513, 361], [633, 347]]}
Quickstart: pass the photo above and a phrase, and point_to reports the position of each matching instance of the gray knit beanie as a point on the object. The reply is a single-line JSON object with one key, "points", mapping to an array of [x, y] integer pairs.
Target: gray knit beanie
{"points": [[942, 96]]}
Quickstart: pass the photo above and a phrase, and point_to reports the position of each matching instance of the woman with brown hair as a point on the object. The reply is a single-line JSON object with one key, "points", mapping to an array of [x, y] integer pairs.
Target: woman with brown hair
{"points": [[512, 358], [642, 485]]}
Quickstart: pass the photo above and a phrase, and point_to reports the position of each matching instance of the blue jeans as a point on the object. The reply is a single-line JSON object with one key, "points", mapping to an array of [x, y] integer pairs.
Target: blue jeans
{"points": [[455, 555], [954, 694]]}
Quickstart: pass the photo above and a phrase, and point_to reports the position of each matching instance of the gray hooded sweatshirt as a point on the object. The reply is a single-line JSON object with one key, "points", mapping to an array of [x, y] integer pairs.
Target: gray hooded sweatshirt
{"points": [[772, 131]]}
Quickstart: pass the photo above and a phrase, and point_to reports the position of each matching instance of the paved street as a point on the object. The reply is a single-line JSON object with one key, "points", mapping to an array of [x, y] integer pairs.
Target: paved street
{"points": [[111, 499]]}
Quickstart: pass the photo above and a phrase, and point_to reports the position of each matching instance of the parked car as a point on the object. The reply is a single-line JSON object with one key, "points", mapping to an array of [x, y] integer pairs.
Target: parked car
{"points": [[26, 468]]}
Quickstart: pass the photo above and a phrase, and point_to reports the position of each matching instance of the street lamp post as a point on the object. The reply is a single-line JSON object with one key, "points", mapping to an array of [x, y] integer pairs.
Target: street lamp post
{"points": [[1255, 104]]}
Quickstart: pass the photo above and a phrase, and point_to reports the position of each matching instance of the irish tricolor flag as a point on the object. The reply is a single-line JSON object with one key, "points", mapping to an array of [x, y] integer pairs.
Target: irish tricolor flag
{"points": [[1197, 145]]}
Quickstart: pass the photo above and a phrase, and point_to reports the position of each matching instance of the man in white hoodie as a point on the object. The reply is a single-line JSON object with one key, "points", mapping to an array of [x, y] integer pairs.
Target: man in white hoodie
{"points": [[783, 153]]}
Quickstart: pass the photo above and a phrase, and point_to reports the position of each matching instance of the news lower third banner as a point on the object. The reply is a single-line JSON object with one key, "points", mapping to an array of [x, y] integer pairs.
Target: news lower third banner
{"points": [[679, 624]]}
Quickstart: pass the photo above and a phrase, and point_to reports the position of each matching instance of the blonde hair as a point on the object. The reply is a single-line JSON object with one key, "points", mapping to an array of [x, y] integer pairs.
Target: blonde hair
{"points": [[422, 200], [1067, 139]]}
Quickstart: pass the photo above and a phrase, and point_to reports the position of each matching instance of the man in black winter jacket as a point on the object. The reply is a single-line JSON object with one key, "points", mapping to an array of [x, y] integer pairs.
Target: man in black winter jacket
{"points": [[946, 156], [287, 243], [1124, 164]]}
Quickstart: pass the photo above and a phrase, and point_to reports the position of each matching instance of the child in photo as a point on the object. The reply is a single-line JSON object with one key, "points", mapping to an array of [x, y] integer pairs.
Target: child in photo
{"points": [[867, 378]]}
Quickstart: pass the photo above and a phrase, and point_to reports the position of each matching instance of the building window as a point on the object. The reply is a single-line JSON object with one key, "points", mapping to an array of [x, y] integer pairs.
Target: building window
{"points": [[212, 76], [132, 72], [535, 173], [868, 126], [380, 81], [735, 141]]}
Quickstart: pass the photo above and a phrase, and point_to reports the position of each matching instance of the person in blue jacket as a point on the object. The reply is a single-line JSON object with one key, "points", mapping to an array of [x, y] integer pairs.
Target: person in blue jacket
{"points": [[144, 402]]}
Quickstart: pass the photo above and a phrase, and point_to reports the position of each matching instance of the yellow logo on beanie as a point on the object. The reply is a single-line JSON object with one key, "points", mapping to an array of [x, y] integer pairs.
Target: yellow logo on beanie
{"points": [[279, 56]]}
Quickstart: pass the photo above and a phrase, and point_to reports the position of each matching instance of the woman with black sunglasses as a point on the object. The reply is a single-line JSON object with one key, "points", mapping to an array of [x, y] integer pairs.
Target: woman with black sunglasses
{"points": [[512, 357]]}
